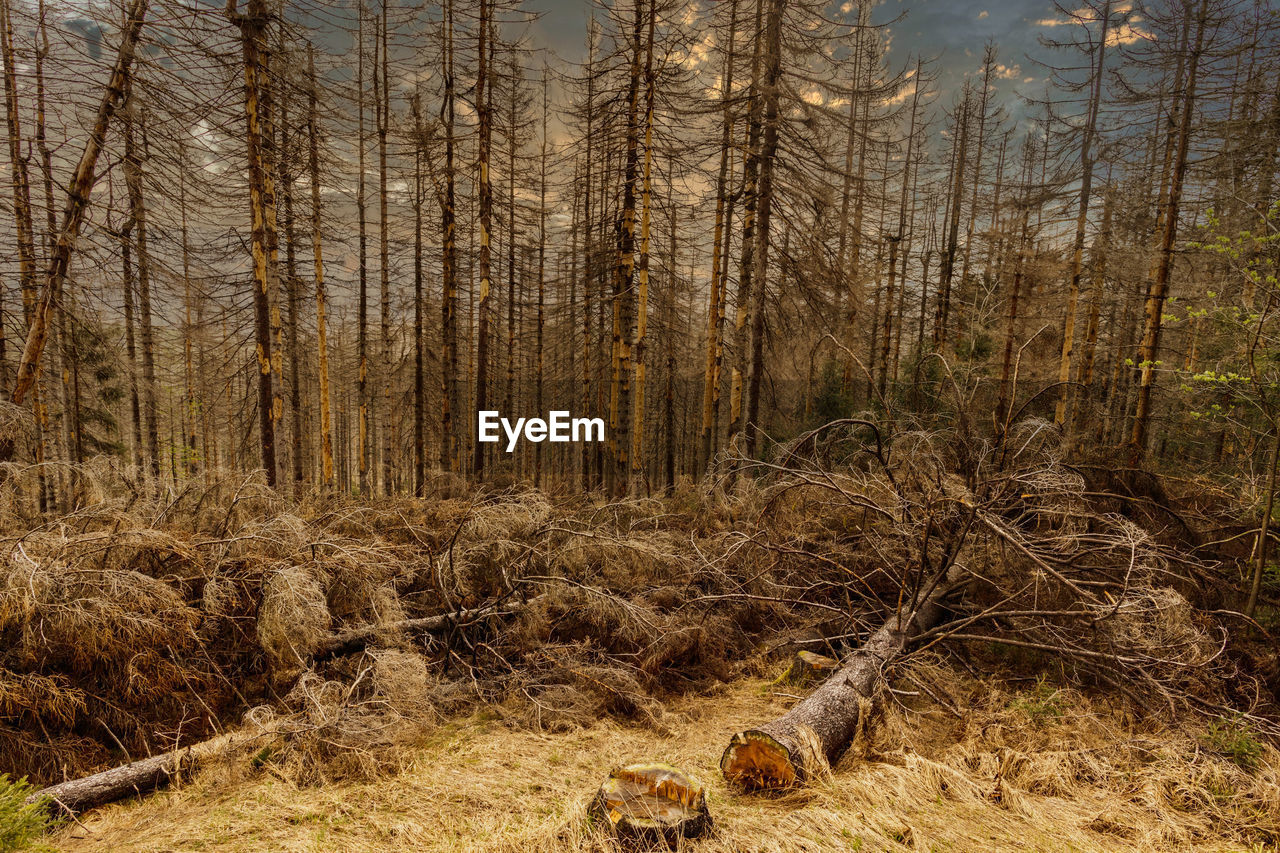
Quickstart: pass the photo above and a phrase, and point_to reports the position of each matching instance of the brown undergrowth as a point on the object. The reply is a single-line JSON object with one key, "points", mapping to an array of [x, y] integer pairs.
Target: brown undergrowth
{"points": [[150, 615], [1004, 775]]}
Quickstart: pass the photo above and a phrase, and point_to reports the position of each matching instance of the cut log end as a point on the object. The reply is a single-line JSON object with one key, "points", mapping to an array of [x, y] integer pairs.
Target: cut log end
{"points": [[652, 801], [756, 760]]}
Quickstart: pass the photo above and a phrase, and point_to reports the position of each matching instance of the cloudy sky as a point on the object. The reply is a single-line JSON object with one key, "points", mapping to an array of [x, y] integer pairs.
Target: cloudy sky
{"points": [[954, 30]]}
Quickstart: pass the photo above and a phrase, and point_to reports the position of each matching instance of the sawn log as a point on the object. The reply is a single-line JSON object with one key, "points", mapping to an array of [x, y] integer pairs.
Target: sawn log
{"points": [[775, 754]]}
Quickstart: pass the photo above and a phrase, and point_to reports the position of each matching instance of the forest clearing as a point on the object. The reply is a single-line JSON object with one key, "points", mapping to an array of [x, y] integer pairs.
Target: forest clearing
{"points": [[640, 424]]}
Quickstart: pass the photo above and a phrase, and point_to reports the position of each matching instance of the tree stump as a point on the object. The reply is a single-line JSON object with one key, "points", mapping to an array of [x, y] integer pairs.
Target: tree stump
{"points": [[808, 667], [652, 802]]}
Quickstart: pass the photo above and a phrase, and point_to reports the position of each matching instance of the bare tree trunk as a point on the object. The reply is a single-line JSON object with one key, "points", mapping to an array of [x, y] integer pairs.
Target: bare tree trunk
{"points": [[419, 309], [297, 449], [941, 317], [484, 108], [1159, 288], [715, 298], [624, 278], [1088, 358], [252, 27], [322, 340], [637, 477], [381, 89], [138, 217], [587, 267], [362, 309], [776, 755], [750, 193], [764, 205], [1082, 219], [539, 356], [450, 398]]}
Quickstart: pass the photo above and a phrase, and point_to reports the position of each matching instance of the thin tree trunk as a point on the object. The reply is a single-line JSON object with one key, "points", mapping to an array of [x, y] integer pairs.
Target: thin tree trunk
{"points": [[138, 218], [750, 193], [1082, 219], [637, 477], [362, 309], [419, 344], [941, 318], [1159, 288], [297, 455], [322, 341], [381, 89], [624, 277], [764, 204], [715, 298], [539, 356], [450, 397], [484, 108]]}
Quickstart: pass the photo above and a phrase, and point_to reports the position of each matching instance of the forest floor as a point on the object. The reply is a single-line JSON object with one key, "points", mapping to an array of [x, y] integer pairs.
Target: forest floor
{"points": [[1022, 767]]}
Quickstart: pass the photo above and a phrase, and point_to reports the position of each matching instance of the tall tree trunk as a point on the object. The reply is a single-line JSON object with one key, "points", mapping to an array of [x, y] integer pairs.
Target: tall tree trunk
{"points": [[138, 217], [637, 477], [297, 449], [419, 343], [750, 197], [193, 404], [450, 397], [18, 164], [1158, 290], [715, 298], [362, 307], [253, 25], [587, 246], [764, 205], [1098, 271], [381, 89], [624, 277], [942, 316], [539, 356], [131, 343], [317, 253], [1082, 219], [484, 108]]}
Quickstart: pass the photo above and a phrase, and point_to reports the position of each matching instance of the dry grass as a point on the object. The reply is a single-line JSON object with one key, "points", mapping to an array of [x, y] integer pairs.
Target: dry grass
{"points": [[1086, 778]]}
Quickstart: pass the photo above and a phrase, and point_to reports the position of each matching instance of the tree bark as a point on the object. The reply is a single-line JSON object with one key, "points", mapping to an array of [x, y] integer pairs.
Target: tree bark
{"points": [[764, 210], [317, 252], [777, 755], [483, 107]]}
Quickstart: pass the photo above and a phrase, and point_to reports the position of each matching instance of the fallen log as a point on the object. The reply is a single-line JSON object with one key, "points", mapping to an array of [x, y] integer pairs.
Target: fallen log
{"points": [[653, 803], [139, 777], [777, 754], [150, 774], [356, 639]]}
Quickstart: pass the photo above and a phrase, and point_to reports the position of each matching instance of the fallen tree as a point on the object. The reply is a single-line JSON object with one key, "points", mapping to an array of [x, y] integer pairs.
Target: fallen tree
{"points": [[784, 752], [137, 777]]}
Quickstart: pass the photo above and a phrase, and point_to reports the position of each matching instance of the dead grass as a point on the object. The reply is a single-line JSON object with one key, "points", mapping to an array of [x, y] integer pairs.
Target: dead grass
{"points": [[1088, 779]]}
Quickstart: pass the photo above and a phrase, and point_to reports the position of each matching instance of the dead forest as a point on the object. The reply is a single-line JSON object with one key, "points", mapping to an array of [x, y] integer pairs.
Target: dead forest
{"points": [[937, 370]]}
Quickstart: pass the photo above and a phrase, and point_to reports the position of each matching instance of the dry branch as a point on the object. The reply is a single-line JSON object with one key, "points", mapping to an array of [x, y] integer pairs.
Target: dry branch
{"points": [[357, 639]]}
